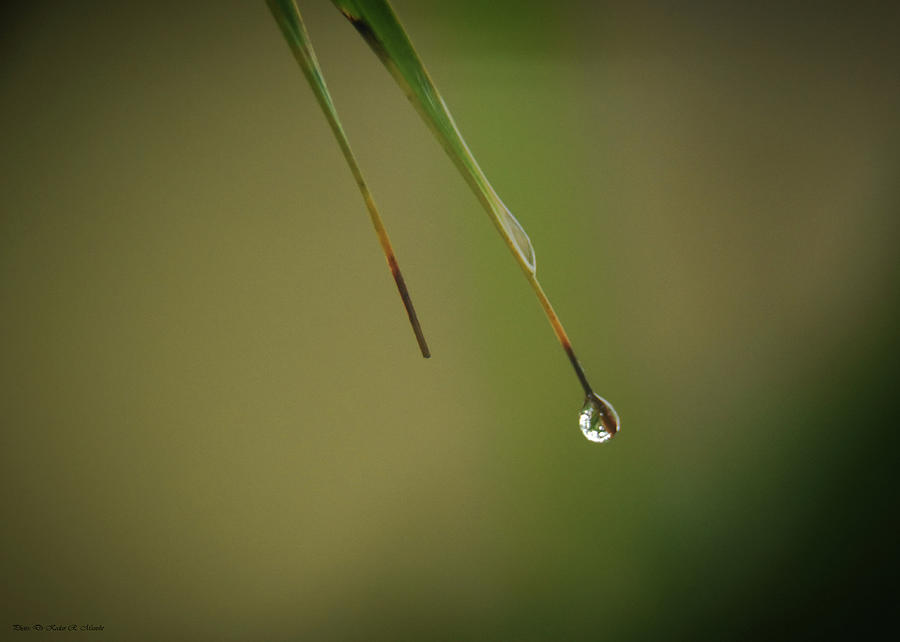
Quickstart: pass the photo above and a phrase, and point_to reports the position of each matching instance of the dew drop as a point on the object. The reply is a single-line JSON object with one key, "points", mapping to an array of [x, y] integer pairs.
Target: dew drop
{"points": [[598, 420]]}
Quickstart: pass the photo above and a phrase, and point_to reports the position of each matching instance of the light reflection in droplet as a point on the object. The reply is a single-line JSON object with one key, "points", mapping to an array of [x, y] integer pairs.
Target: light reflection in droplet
{"points": [[598, 420]]}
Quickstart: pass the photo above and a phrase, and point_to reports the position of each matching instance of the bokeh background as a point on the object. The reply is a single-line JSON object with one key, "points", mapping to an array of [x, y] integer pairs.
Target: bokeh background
{"points": [[215, 421]]}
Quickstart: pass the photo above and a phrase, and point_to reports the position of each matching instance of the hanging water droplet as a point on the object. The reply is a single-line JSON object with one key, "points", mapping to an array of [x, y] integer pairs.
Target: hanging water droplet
{"points": [[598, 420]]}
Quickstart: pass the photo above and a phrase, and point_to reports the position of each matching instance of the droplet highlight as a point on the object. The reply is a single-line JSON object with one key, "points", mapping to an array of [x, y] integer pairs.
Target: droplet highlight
{"points": [[598, 419]]}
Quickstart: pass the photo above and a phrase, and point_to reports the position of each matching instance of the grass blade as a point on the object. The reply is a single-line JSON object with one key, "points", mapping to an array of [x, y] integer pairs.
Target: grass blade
{"points": [[376, 22], [291, 23]]}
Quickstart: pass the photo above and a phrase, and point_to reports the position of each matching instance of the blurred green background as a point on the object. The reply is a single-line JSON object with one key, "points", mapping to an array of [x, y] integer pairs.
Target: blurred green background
{"points": [[216, 422]]}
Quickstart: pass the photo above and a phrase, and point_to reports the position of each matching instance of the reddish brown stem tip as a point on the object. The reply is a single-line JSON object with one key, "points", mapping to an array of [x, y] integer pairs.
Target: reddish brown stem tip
{"points": [[410, 310]]}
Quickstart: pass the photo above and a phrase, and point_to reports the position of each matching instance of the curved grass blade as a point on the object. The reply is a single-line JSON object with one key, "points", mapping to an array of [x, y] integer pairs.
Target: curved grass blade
{"points": [[376, 22], [288, 18]]}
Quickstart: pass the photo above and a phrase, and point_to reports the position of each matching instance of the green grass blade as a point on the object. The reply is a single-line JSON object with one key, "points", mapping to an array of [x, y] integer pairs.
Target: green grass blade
{"points": [[375, 20], [288, 18]]}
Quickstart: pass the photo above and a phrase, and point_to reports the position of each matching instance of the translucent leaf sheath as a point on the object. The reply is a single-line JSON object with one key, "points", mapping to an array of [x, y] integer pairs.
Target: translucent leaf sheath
{"points": [[377, 23], [288, 18]]}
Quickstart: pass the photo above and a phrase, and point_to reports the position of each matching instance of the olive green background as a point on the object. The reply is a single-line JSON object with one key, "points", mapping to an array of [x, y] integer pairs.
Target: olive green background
{"points": [[215, 421]]}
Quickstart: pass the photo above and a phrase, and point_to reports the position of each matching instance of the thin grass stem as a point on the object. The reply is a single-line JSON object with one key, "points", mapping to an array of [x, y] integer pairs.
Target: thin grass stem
{"points": [[288, 17]]}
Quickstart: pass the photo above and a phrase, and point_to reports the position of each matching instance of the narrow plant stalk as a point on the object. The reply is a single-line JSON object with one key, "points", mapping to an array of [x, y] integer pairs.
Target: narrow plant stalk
{"points": [[376, 22], [560, 332], [287, 15]]}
